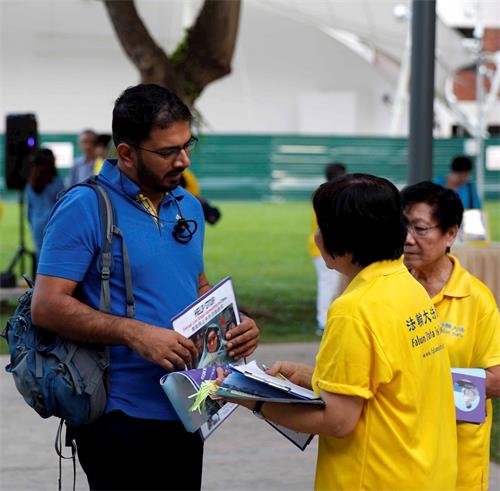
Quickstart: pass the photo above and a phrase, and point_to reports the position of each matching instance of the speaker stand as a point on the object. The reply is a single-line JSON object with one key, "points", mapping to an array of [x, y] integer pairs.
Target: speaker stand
{"points": [[22, 251]]}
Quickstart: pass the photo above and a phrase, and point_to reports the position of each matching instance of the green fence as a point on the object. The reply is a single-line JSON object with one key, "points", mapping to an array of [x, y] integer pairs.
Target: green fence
{"points": [[288, 167]]}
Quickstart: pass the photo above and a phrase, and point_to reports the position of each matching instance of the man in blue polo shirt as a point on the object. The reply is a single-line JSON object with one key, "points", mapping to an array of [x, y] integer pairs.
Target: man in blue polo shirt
{"points": [[83, 166], [459, 181], [139, 443]]}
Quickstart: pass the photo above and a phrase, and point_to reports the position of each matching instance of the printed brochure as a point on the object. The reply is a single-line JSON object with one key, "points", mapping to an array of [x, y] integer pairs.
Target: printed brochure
{"points": [[469, 392], [206, 322]]}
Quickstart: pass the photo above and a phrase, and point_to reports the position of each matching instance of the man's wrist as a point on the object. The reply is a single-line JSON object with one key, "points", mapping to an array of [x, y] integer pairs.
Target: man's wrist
{"points": [[133, 332]]}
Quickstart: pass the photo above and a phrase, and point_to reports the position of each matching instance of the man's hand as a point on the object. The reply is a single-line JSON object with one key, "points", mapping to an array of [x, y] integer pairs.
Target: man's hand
{"points": [[243, 339], [298, 373], [165, 347]]}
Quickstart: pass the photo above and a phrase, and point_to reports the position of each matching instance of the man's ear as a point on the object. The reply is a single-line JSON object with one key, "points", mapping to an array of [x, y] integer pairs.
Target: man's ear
{"points": [[126, 154]]}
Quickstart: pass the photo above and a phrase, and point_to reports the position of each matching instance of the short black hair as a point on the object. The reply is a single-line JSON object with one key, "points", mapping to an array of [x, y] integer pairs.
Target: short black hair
{"points": [[461, 163], [361, 214], [334, 170], [42, 170], [143, 107], [103, 140], [447, 207]]}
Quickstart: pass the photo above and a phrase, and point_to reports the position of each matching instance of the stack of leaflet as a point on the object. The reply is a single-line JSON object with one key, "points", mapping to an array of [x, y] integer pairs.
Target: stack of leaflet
{"points": [[251, 383], [244, 382]]}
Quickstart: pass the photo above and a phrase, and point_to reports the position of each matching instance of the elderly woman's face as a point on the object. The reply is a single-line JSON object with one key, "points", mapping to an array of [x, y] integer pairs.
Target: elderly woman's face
{"points": [[425, 242]]}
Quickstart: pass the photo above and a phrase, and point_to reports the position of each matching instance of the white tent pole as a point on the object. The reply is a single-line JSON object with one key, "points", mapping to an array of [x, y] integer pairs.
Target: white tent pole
{"points": [[401, 95], [480, 125]]}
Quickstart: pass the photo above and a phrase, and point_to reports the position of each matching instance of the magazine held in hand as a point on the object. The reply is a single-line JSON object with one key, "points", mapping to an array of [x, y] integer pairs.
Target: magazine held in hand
{"points": [[206, 322], [469, 392]]}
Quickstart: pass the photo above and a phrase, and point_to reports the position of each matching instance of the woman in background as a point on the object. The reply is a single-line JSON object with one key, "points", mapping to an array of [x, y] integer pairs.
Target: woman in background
{"points": [[44, 186], [467, 311]]}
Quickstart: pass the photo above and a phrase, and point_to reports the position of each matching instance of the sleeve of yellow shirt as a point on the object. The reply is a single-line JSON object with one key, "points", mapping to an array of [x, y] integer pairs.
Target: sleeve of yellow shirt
{"points": [[313, 248], [487, 346], [192, 185], [350, 360]]}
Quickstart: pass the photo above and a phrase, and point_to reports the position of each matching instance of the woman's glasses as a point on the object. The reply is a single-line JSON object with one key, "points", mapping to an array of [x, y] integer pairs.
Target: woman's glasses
{"points": [[420, 231]]}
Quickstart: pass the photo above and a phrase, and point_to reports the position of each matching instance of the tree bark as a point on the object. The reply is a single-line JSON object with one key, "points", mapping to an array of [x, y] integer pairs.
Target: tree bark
{"points": [[202, 57]]}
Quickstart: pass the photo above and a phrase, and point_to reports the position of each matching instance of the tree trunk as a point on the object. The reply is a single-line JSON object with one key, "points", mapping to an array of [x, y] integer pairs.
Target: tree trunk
{"points": [[203, 56]]}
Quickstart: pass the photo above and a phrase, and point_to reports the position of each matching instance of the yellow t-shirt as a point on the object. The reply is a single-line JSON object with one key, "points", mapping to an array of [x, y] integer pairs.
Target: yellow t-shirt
{"points": [[98, 163], [470, 325], [192, 185], [382, 343], [313, 248]]}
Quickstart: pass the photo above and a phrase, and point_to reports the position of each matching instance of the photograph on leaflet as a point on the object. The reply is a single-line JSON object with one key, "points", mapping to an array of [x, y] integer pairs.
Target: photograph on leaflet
{"points": [[206, 323]]}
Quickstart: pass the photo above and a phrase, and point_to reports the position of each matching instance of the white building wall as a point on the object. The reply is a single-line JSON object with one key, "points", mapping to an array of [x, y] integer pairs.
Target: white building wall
{"points": [[61, 60]]}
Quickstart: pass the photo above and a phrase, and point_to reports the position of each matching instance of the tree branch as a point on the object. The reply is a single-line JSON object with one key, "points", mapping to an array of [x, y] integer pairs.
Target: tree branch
{"points": [[153, 64], [210, 43], [203, 56]]}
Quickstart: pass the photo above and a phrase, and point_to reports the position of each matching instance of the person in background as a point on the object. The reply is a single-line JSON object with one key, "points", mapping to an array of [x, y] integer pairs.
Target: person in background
{"points": [[329, 282], [459, 181], [189, 182], [83, 167], [101, 151], [388, 422], [467, 311], [44, 186]]}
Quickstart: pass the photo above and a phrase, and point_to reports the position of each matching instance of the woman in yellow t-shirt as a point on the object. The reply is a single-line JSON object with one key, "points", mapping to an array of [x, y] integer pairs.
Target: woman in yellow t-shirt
{"points": [[389, 420], [467, 311]]}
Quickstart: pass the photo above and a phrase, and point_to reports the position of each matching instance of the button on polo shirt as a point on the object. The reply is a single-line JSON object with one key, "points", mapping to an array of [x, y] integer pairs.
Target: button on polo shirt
{"points": [[164, 273], [382, 343]]}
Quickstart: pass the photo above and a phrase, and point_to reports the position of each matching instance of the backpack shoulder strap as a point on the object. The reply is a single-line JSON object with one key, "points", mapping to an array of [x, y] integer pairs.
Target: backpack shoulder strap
{"points": [[109, 228]]}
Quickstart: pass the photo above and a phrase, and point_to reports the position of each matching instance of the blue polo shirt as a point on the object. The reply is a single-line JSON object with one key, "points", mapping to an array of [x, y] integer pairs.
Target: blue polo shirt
{"points": [[467, 193], [164, 274]]}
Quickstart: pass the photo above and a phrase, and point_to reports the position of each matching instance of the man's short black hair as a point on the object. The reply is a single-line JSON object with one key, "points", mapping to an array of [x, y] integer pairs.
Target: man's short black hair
{"points": [[334, 170], [462, 163], [143, 107], [447, 207], [361, 214]]}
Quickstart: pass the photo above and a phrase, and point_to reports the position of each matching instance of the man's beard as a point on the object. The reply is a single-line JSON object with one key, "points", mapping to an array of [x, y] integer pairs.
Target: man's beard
{"points": [[149, 180]]}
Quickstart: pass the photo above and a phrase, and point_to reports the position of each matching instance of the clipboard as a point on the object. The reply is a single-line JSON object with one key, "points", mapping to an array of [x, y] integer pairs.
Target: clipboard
{"points": [[253, 371]]}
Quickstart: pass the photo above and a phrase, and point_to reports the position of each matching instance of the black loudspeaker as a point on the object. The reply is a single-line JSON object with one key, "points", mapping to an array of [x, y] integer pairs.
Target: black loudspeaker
{"points": [[21, 138]]}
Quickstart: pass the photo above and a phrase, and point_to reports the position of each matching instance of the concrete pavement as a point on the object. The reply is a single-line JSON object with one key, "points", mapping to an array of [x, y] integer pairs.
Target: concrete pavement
{"points": [[245, 454]]}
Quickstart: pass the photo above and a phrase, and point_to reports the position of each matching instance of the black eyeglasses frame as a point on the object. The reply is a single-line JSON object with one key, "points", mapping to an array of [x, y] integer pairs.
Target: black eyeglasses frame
{"points": [[171, 152]]}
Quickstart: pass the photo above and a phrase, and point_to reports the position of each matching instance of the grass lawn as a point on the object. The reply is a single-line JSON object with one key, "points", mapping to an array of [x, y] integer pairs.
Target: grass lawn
{"points": [[263, 246]]}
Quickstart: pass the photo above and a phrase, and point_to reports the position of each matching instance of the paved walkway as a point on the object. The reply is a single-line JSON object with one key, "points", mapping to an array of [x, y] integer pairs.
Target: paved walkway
{"points": [[245, 454]]}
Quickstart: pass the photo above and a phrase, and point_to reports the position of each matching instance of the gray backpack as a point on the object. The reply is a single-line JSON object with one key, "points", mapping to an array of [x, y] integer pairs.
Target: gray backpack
{"points": [[57, 376]]}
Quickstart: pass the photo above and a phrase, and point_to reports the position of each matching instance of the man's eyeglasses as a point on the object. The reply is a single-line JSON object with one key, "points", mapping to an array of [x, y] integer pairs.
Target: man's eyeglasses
{"points": [[420, 231], [171, 153]]}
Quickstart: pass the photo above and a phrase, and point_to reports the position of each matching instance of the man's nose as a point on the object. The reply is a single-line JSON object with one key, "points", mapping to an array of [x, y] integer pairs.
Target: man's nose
{"points": [[182, 159]]}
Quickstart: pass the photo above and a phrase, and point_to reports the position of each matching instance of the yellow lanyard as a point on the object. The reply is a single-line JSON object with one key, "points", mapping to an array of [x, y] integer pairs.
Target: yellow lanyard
{"points": [[149, 207]]}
